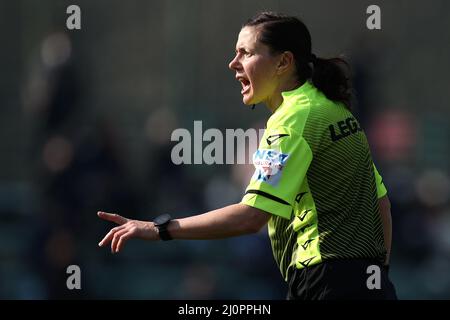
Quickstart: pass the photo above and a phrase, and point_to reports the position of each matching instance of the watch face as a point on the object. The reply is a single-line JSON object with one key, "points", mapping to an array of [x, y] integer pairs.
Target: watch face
{"points": [[161, 219]]}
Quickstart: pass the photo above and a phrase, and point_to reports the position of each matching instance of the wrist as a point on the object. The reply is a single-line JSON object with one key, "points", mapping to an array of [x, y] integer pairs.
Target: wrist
{"points": [[161, 224], [154, 231]]}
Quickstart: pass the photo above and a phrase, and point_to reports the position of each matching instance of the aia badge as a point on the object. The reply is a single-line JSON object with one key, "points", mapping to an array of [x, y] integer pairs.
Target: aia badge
{"points": [[269, 165]]}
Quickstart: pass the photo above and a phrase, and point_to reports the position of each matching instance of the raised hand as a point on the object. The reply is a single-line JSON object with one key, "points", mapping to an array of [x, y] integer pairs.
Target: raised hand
{"points": [[126, 230]]}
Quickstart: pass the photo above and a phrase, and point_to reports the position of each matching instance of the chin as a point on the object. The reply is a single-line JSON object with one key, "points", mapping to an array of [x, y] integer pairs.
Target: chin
{"points": [[248, 101]]}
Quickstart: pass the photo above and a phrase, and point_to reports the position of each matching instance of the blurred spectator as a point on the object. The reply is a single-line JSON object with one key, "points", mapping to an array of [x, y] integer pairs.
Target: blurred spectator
{"points": [[79, 168]]}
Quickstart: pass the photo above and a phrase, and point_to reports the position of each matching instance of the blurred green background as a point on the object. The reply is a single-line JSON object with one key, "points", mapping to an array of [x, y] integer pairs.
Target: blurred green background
{"points": [[85, 123]]}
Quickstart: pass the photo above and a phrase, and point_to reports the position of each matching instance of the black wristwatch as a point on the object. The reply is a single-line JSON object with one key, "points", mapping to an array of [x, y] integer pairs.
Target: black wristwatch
{"points": [[161, 222]]}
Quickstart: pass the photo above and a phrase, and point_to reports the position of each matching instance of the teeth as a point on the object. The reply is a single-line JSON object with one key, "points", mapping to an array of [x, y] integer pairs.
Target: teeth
{"points": [[245, 88], [245, 83]]}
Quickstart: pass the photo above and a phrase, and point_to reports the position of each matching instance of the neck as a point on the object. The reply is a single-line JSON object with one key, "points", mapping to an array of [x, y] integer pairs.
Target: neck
{"points": [[276, 99]]}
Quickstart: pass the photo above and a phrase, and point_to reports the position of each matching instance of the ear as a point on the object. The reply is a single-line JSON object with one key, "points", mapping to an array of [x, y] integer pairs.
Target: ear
{"points": [[285, 62]]}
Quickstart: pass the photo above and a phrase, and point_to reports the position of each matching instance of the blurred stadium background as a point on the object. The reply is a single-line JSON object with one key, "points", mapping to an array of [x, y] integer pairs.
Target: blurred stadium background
{"points": [[85, 125]]}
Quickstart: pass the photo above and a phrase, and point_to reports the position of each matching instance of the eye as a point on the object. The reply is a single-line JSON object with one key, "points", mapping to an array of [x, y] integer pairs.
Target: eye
{"points": [[244, 52], [247, 54]]}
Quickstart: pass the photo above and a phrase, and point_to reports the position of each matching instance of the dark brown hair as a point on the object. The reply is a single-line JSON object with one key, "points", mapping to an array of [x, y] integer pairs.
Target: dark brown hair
{"points": [[287, 33]]}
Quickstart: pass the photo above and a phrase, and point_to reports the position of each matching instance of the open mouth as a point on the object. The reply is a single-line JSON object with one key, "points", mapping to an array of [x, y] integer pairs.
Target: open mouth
{"points": [[245, 84]]}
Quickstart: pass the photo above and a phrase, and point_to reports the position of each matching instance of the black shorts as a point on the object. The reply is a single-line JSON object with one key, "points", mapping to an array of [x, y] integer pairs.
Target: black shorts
{"points": [[352, 279]]}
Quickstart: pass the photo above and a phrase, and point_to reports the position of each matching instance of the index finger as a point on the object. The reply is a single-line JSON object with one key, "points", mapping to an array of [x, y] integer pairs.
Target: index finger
{"points": [[113, 217]]}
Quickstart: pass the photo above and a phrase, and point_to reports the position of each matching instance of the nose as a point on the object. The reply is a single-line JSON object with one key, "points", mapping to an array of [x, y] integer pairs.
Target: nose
{"points": [[234, 64]]}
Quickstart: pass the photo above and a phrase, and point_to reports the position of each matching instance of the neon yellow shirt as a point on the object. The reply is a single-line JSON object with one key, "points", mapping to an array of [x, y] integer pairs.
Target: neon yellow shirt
{"points": [[315, 175]]}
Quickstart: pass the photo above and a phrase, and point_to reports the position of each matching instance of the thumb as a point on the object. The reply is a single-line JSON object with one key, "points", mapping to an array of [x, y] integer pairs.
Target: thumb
{"points": [[113, 217]]}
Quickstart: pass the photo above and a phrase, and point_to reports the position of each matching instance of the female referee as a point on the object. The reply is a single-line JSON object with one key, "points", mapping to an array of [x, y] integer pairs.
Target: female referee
{"points": [[315, 184]]}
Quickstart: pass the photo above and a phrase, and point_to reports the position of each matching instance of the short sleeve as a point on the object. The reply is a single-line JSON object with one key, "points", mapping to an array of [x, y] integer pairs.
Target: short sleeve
{"points": [[281, 163], [381, 189]]}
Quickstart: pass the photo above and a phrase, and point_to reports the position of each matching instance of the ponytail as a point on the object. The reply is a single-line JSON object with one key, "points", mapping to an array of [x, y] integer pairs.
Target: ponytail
{"points": [[331, 76]]}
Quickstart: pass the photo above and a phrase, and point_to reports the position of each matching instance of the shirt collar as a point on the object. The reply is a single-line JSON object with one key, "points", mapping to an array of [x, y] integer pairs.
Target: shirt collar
{"points": [[290, 96]]}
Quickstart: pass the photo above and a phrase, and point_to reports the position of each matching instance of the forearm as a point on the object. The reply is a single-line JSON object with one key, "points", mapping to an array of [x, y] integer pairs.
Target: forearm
{"points": [[234, 220], [386, 219]]}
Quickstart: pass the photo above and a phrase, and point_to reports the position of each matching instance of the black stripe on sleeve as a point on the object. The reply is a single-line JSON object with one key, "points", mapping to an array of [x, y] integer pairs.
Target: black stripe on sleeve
{"points": [[267, 195]]}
